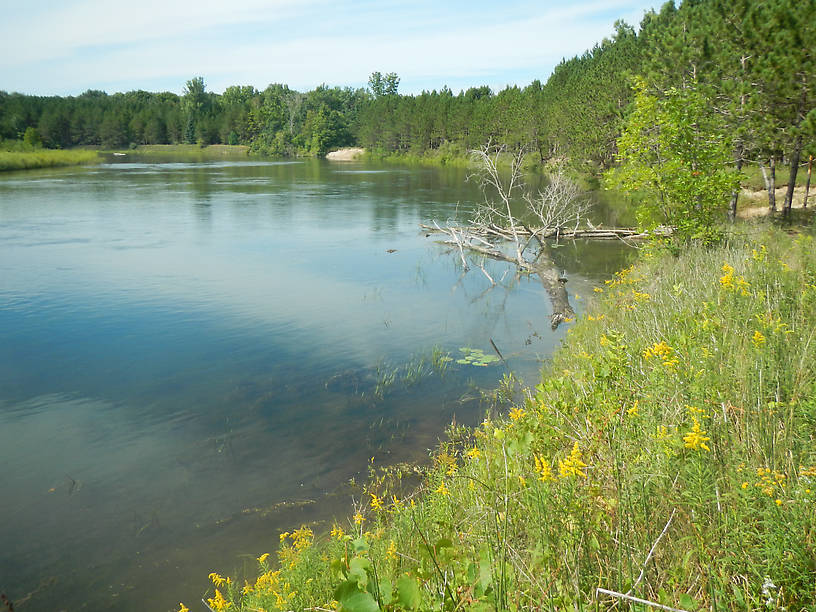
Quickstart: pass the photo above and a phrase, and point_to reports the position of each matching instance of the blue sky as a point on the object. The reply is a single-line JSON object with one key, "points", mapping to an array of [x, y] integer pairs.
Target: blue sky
{"points": [[64, 47]]}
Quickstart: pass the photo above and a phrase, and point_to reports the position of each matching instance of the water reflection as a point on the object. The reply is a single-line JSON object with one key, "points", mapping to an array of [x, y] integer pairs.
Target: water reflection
{"points": [[195, 356]]}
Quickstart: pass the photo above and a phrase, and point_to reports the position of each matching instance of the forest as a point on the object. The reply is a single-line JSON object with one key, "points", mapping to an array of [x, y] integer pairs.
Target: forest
{"points": [[751, 62]]}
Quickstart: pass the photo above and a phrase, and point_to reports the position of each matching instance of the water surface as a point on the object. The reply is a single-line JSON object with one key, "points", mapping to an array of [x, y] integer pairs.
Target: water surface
{"points": [[196, 356]]}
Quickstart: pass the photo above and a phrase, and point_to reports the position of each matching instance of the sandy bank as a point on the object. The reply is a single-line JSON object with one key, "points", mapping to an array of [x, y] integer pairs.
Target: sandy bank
{"points": [[348, 154], [755, 203]]}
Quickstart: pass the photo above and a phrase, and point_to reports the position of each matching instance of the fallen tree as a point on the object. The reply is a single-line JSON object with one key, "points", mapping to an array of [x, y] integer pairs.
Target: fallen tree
{"points": [[557, 211]]}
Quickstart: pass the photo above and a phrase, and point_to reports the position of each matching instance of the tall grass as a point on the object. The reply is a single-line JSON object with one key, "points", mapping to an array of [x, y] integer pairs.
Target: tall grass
{"points": [[667, 455], [45, 158], [191, 151]]}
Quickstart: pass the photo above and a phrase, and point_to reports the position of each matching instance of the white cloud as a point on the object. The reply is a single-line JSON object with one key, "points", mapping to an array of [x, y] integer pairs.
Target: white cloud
{"points": [[91, 42]]}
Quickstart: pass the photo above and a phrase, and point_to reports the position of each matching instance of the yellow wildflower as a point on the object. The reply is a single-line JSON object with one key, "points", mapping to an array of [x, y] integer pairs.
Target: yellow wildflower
{"points": [[376, 502], [474, 453], [302, 538], [543, 469], [391, 552], [758, 338], [659, 349], [727, 279], [359, 519], [283, 536], [633, 411], [218, 602], [696, 438], [263, 557], [442, 490], [522, 480], [337, 532], [397, 503], [778, 502], [572, 465], [183, 608], [807, 471], [516, 413], [217, 580]]}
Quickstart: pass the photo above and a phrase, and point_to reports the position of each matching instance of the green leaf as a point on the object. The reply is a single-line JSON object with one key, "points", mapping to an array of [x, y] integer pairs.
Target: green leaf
{"points": [[408, 595], [386, 591], [358, 573], [352, 599], [360, 545], [687, 602], [338, 569], [359, 563], [359, 602]]}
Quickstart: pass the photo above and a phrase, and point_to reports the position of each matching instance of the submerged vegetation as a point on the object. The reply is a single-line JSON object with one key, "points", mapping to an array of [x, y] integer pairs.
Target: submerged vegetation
{"points": [[667, 455]]}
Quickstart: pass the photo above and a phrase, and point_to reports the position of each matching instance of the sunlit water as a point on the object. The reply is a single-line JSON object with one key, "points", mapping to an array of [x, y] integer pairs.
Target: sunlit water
{"points": [[194, 357]]}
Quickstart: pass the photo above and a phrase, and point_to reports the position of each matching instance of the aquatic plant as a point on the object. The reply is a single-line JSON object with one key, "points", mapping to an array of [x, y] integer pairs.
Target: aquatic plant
{"points": [[475, 357]]}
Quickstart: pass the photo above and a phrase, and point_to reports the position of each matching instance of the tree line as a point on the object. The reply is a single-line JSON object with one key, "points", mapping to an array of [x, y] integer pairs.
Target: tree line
{"points": [[751, 61]]}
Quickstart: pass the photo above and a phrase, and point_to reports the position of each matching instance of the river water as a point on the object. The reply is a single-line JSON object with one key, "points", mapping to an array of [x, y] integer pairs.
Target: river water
{"points": [[197, 356]]}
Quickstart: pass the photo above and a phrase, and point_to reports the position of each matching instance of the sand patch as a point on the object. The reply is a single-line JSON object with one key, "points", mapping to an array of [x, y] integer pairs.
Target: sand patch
{"points": [[347, 154], [754, 204]]}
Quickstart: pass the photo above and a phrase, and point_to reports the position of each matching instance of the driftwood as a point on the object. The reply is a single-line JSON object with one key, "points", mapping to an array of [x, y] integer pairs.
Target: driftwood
{"points": [[560, 209], [596, 233], [548, 273], [481, 239]]}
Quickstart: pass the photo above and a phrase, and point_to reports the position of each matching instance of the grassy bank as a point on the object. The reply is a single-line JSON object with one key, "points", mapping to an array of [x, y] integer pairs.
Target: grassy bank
{"points": [[451, 155], [190, 151], [668, 454], [45, 158]]}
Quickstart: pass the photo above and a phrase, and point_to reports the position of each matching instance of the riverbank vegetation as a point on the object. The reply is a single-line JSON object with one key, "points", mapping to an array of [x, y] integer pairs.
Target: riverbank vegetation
{"points": [[13, 156], [667, 455]]}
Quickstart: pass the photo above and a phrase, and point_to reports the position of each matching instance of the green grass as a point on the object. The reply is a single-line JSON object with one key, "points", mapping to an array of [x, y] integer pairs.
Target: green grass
{"points": [[45, 158], [190, 151], [753, 177], [667, 453], [451, 157]]}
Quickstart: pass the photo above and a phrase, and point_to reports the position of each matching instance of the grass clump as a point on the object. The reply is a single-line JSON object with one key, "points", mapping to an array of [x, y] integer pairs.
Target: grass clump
{"points": [[45, 158], [668, 455]]}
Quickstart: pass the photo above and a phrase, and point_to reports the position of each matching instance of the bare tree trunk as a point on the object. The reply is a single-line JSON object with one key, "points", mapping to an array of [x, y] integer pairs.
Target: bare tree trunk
{"points": [[556, 288], [771, 184], [794, 169], [732, 207], [807, 184]]}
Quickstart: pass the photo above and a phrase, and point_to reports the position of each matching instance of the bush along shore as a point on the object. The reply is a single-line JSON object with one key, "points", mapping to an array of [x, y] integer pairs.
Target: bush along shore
{"points": [[667, 456]]}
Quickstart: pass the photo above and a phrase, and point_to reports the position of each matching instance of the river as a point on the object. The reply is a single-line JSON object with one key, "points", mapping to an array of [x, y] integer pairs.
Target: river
{"points": [[196, 356]]}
